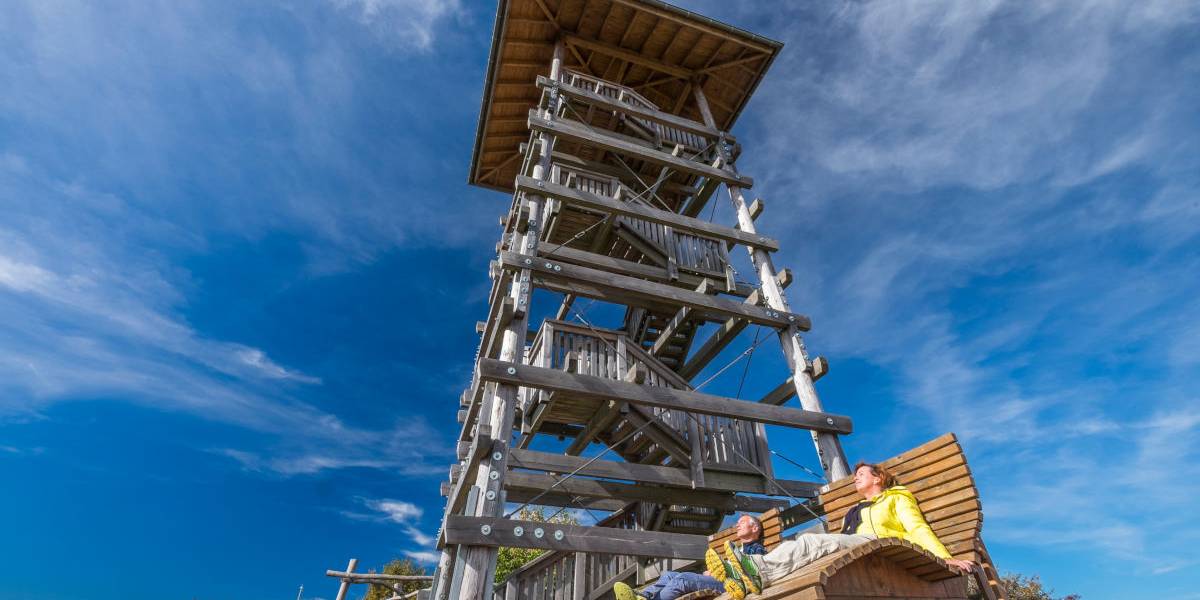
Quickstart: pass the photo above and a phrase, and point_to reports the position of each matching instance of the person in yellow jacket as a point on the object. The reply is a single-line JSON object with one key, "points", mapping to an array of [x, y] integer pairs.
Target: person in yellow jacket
{"points": [[889, 511]]}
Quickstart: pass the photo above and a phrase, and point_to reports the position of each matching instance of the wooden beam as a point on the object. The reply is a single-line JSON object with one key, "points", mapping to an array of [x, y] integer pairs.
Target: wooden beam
{"points": [[781, 394], [537, 498], [701, 198], [568, 278], [626, 267], [576, 131], [573, 538], [677, 320], [600, 388], [726, 333], [630, 492], [734, 63], [587, 200], [627, 55], [649, 114], [654, 474]]}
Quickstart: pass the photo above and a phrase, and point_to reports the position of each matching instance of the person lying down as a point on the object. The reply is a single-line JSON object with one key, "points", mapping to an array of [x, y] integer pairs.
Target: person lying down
{"points": [[889, 510], [673, 584]]}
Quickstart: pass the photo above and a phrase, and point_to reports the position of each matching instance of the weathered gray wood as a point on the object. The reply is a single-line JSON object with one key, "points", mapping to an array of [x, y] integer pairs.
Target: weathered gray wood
{"points": [[829, 448], [611, 540], [576, 131], [348, 576], [542, 498], [702, 104], [599, 388], [563, 277], [345, 585], [579, 583], [630, 492], [480, 445], [478, 563], [624, 267], [653, 474], [649, 114], [574, 197], [781, 394], [677, 320], [722, 337]]}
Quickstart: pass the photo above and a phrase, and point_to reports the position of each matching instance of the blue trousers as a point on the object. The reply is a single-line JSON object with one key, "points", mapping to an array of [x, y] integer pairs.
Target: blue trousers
{"points": [[673, 584]]}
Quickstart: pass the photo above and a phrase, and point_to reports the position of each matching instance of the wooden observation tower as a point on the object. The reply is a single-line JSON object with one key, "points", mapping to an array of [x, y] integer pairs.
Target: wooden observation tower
{"points": [[607, 122]]}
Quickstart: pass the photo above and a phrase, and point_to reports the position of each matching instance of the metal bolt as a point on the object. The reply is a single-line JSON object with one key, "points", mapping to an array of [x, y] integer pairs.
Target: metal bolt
{"points": [[548, 265], [557, 267], [829, 420], [490, 495], [541, 184], [518, 531], [497, 456], [529, 245], [538, 533], [529, 261], [485, 529], [494, 475], [792, 318], [558, 535], [512, 370]]}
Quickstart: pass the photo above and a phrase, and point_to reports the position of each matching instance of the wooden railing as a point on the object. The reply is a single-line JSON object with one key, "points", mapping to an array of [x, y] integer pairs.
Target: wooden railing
{"points": [[578, 575], [697, 254], [728, 444], [665, 134]]}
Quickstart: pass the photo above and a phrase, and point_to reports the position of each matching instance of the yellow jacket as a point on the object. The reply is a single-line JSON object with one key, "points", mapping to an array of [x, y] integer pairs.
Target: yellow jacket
{"points": [[894, 513]]}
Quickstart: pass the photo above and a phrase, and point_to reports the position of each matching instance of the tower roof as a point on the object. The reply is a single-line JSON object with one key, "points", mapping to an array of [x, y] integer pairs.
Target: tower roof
{"points": [[656, 49]]}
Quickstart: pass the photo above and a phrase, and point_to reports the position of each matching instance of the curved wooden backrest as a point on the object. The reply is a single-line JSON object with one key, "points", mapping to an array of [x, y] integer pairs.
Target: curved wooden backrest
{"points": [[938, 475], [772, 532]]}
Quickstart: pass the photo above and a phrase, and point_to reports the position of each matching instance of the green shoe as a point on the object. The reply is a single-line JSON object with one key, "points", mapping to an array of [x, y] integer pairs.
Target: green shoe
{"points": [[745, 568], [624, 592]]}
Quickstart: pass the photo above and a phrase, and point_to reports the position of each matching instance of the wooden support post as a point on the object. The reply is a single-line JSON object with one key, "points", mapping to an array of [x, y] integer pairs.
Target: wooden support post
{"points": [[345, 586], [829, 447], [579, 589], [479, 562]]}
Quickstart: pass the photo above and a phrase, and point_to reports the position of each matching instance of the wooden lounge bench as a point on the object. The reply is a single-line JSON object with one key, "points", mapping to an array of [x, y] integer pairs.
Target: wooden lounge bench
{"points": [[937, 474]]}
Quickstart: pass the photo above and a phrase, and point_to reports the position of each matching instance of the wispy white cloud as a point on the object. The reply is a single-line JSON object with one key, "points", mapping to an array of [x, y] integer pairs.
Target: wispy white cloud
{"points": [[407, 515], [404, 24], [424, 556], [987, 201]]}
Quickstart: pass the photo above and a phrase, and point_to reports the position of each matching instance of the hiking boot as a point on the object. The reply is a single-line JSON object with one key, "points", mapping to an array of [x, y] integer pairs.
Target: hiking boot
{"points": [[745, 568], [735, 589], [724, 573], [624, 592]]}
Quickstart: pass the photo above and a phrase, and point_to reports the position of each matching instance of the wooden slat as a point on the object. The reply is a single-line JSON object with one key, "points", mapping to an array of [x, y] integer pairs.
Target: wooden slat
{"points": [[628, 56], [579, 132], [599, 388], [623, 289], [574, 197], [625, 267], [657, 116]]}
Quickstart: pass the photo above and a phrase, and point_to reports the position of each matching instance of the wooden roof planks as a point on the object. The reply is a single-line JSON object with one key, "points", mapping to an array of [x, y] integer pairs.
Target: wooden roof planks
{"points": [[658, 49]]}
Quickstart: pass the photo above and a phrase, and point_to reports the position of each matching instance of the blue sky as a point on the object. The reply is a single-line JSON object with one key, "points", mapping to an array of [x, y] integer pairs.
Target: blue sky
{"points": [[240, 270]]}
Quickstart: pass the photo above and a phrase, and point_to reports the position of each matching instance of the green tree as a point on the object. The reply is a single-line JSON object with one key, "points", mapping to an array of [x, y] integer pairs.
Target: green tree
{"points": [[1020, 587], [511, 559], [398, 566]]}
